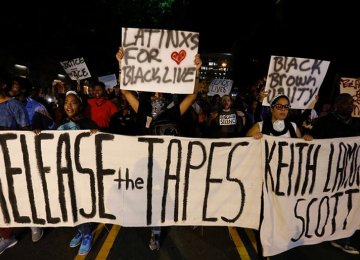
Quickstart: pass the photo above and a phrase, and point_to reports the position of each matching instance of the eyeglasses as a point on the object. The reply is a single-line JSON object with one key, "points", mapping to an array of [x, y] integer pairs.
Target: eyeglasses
{"points": [[281, 107]]}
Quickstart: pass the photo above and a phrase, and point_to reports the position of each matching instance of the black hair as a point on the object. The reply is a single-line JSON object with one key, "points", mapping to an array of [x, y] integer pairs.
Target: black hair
{"points": [[342, 97], [276, 98], [99, 83]]}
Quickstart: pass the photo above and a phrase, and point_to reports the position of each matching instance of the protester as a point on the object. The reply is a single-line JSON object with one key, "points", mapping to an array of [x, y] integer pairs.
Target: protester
{"points": [[158, 114], [75, 120], [99, 108], [277, 124], [227, 122], [339, 123], [13, 116]]}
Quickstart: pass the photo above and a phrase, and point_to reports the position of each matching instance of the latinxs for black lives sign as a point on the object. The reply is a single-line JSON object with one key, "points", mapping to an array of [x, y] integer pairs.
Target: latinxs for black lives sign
{"points": [[158, 60], [298, 78]]}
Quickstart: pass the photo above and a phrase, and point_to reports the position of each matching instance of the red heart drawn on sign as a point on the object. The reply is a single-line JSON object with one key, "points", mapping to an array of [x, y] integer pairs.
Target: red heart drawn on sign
{"points": [[178, 57]]}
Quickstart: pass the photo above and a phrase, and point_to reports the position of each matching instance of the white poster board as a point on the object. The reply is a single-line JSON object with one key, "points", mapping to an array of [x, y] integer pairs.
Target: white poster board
{"points": [[158, 60], [352, 87], [109, 80], [298, 78], [220, 87], [76, 68]]}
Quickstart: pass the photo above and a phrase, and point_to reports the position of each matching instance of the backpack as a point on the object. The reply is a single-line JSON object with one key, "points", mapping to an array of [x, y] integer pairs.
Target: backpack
{"points": [[164, 127]]}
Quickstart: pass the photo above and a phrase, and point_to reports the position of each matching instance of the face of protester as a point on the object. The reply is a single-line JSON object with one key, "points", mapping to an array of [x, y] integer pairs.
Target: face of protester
{"points": [[345, 107], [72, 106], [280, 110], [15, 89], [98, 91], [226, 102], [158, 103]]}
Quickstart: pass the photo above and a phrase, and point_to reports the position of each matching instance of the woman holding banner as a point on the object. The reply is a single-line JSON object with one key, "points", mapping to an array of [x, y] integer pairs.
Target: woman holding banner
{"points": [[277, 123]]}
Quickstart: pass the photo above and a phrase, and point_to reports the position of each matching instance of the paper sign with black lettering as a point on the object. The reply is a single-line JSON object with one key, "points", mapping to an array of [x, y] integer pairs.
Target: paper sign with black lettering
{"points": [[158, 60], [220, 86], [109, 80], [352, 87], [76, 69], [61, 178], [298, 78], [311, 191]]}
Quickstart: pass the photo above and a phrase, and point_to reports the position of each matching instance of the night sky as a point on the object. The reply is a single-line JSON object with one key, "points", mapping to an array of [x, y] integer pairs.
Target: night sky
{"points": [[41, 35]]}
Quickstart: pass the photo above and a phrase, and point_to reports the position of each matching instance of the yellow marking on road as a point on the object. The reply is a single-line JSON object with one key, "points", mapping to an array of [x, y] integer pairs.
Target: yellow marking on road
{"points": [[251, 235], [109, 241], [240, 247], [96, 234]]}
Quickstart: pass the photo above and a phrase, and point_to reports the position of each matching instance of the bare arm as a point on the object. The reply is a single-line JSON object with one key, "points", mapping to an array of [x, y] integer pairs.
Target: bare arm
{"points": [[130, 97], [254, 131], [190, 99]]}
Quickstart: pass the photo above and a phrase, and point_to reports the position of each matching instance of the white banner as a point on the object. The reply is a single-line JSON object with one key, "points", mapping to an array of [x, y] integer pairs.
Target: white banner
{"points": [[158, 60], [64, 178], [298, 78], [59, 178], [311, 192]]}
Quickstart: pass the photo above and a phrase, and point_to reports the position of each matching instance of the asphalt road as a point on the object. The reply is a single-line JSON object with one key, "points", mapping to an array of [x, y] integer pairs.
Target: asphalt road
{"points": [[179, 242]]}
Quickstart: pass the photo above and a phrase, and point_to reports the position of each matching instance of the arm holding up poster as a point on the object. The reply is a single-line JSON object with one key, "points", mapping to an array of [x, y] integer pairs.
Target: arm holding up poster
{"points": [[297, 78], [184, 105]]}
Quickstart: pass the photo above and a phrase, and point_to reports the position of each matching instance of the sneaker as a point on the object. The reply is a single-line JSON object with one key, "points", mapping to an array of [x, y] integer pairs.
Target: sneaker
{"points": [[346, 248], [36, 233], [76, 240], [6, 243], [85, 244], [154, 243]]}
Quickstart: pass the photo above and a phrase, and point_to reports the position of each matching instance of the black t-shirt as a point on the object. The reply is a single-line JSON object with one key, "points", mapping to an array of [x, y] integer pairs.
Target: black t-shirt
{"points": [[145, 120]]}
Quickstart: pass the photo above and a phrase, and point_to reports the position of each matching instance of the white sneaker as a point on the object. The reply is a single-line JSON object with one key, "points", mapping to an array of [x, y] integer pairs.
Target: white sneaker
{"points": [[154, 243], [6, 243], [36, 233]]}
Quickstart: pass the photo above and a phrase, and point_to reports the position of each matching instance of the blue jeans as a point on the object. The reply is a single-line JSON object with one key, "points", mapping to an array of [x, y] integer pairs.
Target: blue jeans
{"points": [[85, 228]]}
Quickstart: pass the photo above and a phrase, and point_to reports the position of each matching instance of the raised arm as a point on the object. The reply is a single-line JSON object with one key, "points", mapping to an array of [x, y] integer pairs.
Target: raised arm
{"points": [[190, 99], [130, 97]]}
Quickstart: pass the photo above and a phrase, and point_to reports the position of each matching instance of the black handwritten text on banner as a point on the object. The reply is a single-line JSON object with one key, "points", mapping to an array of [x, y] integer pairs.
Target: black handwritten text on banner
{"points": [[64, 178], [311, 191]]}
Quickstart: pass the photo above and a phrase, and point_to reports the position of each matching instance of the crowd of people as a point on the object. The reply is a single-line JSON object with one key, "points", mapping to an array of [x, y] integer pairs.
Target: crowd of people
{"points": [[141, 113]]}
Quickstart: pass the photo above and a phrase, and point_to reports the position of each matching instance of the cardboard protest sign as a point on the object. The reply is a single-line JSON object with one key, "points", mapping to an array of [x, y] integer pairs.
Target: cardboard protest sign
{"points": [[298, 78], [220, 86], [158, 60], [76, 69], [109, 80], [352, 87]]}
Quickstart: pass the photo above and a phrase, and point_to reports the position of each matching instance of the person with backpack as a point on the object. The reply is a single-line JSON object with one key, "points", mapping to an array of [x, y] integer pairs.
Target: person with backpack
{"points": [[158, 114]]}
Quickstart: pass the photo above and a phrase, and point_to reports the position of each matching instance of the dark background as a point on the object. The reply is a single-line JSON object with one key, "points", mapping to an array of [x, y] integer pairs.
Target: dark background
{"points": [[40, 35]]}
